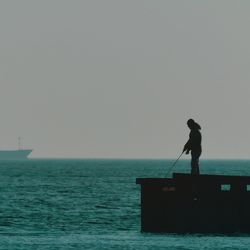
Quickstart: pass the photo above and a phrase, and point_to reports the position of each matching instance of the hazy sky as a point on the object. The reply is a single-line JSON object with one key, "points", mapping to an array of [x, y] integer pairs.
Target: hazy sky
{"points": [[120, 78]]}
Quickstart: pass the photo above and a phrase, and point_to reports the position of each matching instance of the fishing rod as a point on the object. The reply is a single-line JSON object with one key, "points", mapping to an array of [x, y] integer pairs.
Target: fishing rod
{"points": [[174, 164]]}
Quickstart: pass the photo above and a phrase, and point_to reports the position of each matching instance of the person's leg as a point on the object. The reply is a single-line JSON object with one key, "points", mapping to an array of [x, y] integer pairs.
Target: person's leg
{"points": [[195, 162]]}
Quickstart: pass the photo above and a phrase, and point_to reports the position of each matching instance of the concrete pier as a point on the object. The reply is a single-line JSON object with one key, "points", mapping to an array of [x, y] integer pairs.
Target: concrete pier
{"points": [[195, 204]]}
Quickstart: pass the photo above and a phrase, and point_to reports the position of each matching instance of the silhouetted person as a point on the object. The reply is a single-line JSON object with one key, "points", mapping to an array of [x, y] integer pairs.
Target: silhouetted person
{"points": [[194, 145]]}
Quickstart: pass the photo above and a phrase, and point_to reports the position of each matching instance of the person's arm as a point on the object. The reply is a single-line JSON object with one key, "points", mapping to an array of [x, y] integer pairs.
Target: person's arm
{"points": [[187, 147]]}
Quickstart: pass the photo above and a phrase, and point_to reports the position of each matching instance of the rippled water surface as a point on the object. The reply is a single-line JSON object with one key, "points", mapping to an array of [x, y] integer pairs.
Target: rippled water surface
{"points": [[93, 204]]}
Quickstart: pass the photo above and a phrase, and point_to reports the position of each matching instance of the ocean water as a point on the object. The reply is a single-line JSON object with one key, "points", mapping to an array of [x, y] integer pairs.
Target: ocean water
{"points": [[93, 204]]}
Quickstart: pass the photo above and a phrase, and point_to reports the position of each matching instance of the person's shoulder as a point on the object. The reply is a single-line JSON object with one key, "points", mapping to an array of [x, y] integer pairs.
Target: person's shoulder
{"points": [[195, 131]]}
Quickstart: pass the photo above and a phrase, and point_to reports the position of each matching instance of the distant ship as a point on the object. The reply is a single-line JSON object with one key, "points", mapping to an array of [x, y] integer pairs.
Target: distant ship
{"points": [[20, 154]]}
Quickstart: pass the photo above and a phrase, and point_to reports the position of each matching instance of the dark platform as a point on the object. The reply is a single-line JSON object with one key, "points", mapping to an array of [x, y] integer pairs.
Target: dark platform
{"points": [[195, 204]]}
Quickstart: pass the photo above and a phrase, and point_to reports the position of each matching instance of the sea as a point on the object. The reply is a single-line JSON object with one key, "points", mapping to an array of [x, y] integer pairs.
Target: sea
{"points": [[94, 204]]}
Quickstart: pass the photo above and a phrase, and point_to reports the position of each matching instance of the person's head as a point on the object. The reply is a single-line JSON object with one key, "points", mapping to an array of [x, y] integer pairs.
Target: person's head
{"points": [[192, 124]]}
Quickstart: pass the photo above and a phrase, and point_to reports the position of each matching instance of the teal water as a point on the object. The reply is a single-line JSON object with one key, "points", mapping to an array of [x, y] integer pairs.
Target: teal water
{"points": [[93, 204]]}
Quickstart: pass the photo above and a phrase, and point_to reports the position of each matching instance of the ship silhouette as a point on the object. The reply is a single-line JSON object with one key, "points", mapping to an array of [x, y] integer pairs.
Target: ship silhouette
{"points": [[19, 154]]}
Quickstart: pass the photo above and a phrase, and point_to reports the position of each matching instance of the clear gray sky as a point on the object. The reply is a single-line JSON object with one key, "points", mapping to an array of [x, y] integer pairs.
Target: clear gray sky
{"points": [[120, 78]]}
